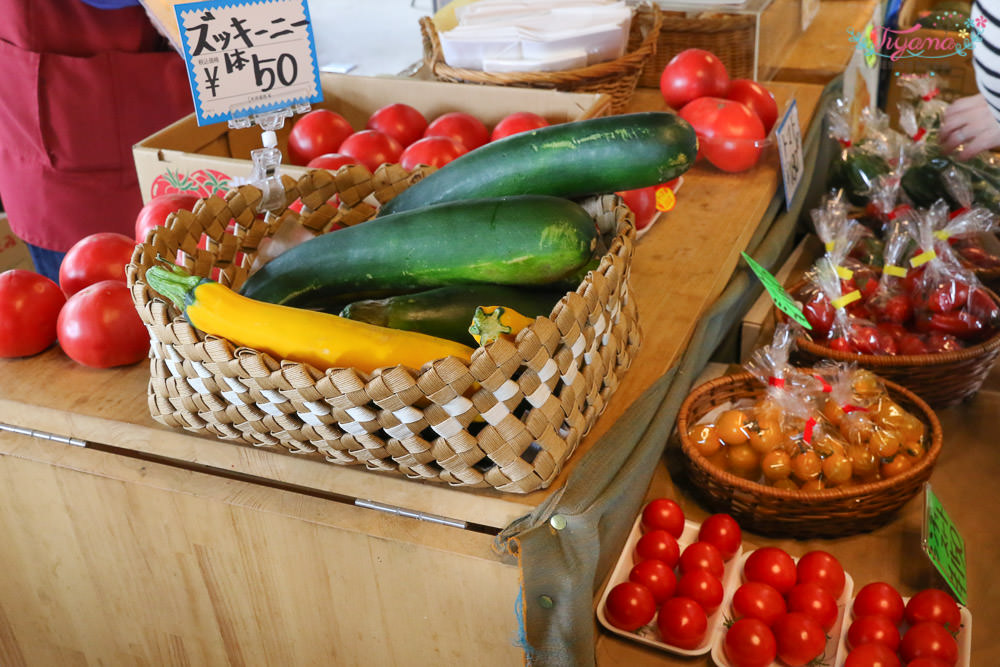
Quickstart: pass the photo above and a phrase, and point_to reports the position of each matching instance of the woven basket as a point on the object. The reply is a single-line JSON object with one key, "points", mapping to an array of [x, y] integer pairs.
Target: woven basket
{"points": [[799, 514], [509, 419], [941, 379], [616, 78], [729, 36]]}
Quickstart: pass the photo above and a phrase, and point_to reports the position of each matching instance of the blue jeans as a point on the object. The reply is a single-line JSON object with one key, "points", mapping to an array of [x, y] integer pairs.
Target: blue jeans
{"points": [[46, 261]]}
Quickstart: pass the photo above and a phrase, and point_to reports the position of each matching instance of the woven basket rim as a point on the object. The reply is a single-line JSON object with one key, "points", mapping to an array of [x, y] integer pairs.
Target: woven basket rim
{"points": [[772, 493], [707, 24], [434, 59]]}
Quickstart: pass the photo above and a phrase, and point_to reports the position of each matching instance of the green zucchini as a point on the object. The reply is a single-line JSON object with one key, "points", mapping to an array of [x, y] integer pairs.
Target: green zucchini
{"points": [[518, 240], [575, 159], [446, 312]]}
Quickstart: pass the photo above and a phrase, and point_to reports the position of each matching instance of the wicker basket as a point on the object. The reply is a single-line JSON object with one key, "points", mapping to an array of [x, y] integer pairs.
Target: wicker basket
{"points": [[732, 37], [616, 78], [799, 514], [941, 379], [509, 419]]}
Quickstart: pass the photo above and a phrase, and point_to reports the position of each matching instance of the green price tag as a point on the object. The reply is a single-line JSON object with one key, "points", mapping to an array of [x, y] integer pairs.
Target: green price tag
{"points": [[781, 299], [944, 545]]}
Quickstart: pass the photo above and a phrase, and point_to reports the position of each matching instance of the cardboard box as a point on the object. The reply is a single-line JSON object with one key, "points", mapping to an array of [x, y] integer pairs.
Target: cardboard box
{"points": [[13, 252], [184, 156]]}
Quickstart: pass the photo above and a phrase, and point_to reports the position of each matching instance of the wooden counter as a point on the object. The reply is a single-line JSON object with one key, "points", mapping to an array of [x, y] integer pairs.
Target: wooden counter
{"points": [[823, 51]]}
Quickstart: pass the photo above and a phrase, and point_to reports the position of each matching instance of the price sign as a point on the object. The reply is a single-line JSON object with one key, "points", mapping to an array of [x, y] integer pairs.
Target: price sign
{"points": [[248, 57], [781, 299], [789, 136], [944, 545]]}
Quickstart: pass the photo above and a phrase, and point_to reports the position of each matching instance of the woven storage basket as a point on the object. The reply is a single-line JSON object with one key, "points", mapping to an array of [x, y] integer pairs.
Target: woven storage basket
{"points": [[729, 36], [799, 514], [508, 420], [616, 78], [941, 379]]}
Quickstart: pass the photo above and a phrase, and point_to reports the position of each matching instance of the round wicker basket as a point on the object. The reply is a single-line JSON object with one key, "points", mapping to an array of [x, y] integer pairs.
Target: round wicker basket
{"points": [[799, 514]]}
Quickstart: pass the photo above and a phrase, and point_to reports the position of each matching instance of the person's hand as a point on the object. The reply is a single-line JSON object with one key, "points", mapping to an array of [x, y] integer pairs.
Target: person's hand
{"points": [[969, 127]]}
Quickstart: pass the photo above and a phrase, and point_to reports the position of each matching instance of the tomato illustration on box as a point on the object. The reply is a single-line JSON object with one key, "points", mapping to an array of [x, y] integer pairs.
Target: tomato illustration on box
{"points": [[201, 182]]}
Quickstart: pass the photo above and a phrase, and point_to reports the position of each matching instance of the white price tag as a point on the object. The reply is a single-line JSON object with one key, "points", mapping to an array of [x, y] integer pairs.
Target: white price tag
{"points": [[248, 56], [789, 137]]}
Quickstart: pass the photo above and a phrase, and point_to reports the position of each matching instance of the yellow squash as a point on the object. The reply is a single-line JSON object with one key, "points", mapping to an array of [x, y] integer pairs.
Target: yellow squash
{"points": [[492, 322]]}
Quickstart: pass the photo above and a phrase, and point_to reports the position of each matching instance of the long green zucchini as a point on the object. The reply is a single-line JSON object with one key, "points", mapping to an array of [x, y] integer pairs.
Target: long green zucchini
{"points": [[517, 240], [575, 159]]}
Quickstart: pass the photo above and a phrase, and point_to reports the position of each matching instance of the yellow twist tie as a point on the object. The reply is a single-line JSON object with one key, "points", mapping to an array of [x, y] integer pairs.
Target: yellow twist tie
{"points": [[846, 300]]}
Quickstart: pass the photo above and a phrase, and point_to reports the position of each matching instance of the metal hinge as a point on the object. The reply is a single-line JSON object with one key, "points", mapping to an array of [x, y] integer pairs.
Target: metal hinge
{"points": [[43, 435], [410, 514]]}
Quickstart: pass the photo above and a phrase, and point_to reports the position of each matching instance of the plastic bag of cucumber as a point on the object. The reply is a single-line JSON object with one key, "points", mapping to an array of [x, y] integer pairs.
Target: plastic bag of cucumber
{"points": [[501, 225]]}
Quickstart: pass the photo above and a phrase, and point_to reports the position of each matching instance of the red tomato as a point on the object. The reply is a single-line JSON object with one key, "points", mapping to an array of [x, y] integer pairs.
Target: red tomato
{"points": [[432, 151], [800, 639], [664, 514], [755, 599], [729, 133], [757, 97], [819, 313], [655, 575], [927, 662], [331, 161], [813, 600], [29, 309], [771, 565], [701, 556], [928, 639], [691, 74], [371, 148], [911, 343], [682, 623], [703, 587], [156, 210], [629, 606], [897, 308], [460, 126], [722, 531], [97, 257], [823, 568], [658, 545], [519, 121], [642, 202], [872, 629], [315, 133], [873, 655], [400, 121], [933, 604], [749, 642], [879, 598], [100, 327]]}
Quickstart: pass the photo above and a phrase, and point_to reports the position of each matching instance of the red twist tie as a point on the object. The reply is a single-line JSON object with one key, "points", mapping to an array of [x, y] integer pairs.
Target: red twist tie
{"points": [[826, 385], [807, 432], [957, 212], [899, 210], [848, 409], [919, 134], [930, 95], [776, 382]]}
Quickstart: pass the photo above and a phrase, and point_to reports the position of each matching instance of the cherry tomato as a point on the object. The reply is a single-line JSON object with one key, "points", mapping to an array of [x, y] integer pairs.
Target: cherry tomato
{"points": [[722, 531], [432, 151], [873, 655], [331, 161], [771, 565], [823, 568], [729, 133], [759, 99], [371, 148], [813, 600], [800, 639], [755, 599], [154, 213], [701, 556], [97, 257], [927, 662], [519, 121], [703, 587], [872, 629], [664, 514], [911, 343], [933, 604], [400, 121], [749, 642], [29, 309], [691, 74], [682, 622], [928, 639], [819, 313], [658, 545], [655, 575], [897, 308], [629, 606], [881, 599], [315, 133], [463, 127], [100, 327]]}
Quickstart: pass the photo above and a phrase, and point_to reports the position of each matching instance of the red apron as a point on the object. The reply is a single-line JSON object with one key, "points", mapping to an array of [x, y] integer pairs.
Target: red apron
{"points": [[79, 87]]}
